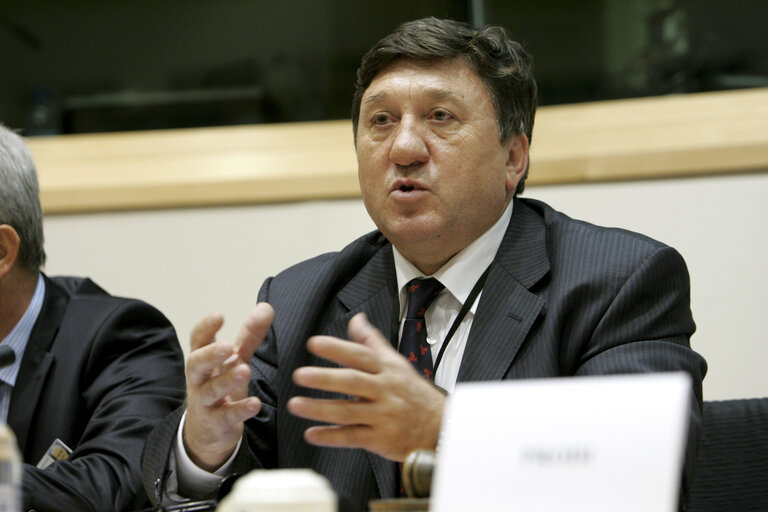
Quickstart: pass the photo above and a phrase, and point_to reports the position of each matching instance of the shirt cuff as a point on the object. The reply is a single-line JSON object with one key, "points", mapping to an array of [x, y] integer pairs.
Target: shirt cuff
{"points": [[192, 481]]}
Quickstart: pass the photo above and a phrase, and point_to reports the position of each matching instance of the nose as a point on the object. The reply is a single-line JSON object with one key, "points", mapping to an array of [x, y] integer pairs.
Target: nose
{"points": [[409, 146]]}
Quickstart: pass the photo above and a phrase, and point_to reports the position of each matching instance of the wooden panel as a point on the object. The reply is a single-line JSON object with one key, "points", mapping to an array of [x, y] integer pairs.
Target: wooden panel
{"points": [[652, 137], [616, 140]]}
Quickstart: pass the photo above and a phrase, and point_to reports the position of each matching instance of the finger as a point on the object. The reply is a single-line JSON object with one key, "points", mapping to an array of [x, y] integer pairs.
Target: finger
{"points": [[210, 435], [207, 360], [338, 380], [226, 415], [344, 353], [228, 386], [243, 377], [254, 330], [337, 412], [204, 331], [239, 411], [362, 331], [340, 436]]}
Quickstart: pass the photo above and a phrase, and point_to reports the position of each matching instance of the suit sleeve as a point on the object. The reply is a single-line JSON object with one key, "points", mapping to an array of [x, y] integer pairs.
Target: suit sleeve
{"points": [[132, 377], [647, 328]]}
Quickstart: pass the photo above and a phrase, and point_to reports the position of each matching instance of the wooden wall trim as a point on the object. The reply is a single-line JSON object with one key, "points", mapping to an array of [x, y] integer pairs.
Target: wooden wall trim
{"points": [[670, 136]]}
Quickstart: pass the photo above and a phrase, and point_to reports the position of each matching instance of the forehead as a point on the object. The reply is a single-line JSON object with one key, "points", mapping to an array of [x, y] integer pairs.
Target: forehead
{"points": [[454, 76]]}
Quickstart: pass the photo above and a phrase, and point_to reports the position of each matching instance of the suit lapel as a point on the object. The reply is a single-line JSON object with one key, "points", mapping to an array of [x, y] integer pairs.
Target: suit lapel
{"points": [[373, 291], [36, 363], [507, 307]]}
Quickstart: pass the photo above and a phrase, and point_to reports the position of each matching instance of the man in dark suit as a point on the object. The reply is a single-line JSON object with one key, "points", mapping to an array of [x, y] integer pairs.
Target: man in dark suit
{"points": [[442, 117], [92, 373]]}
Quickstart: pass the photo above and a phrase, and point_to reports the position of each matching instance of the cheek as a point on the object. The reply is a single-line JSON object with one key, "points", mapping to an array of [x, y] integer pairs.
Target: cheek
{"points": [[484, 188], [368, 157], [372, 162], [370, 182]]}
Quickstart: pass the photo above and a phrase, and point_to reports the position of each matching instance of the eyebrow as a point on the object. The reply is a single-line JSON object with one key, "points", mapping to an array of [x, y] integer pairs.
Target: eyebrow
{"points": [[374, 98], [435, 93]]}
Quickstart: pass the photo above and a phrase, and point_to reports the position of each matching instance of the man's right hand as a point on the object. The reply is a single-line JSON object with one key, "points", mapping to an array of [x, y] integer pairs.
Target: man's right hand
{"points": [[217, 387]]}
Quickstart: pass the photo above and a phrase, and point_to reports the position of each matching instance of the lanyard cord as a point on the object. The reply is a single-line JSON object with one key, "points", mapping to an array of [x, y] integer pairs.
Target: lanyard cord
{"points": [[460, 317]]}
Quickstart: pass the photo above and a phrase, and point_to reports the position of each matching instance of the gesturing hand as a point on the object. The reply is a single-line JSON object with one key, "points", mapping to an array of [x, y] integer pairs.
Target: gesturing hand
{"points": [[217, 387], [395, 410]]}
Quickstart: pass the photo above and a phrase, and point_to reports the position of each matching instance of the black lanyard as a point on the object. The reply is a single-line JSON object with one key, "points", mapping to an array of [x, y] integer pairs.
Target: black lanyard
{"points": [[460, 317], [456, 323]]}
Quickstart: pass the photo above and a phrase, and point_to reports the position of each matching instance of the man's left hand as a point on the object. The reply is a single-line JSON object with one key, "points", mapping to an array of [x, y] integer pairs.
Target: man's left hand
{"points": [[394, 410]]}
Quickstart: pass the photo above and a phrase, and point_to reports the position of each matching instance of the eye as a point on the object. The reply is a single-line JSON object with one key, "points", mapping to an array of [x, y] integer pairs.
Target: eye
{"points": [[380, 119], [441, 115]]}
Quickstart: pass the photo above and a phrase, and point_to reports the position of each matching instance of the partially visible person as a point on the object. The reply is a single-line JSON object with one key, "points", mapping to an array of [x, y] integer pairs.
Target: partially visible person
{"points": [[92, 373]]}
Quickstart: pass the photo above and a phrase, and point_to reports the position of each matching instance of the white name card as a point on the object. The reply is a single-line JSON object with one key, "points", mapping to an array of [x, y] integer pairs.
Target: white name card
{"points": [[583, 444]]}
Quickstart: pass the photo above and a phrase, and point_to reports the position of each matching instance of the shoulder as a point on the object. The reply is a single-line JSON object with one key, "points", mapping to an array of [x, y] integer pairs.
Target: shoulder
{"points": [[565, 234], [83, 292], [356, 254], [584, 252], [335, 267], [88, 309]]}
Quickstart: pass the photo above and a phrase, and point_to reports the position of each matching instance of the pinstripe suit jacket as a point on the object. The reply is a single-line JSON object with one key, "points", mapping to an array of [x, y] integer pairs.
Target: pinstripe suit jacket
{"points": [[563, 298]]}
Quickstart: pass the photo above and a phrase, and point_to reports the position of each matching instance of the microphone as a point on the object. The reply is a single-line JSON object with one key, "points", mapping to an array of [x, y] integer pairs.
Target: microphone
{"points": [[7, 356]]}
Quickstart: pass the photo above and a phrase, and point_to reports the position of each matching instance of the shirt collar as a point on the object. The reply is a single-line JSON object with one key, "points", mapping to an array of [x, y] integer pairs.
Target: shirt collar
{"points": [[19, 336], [461, 272]]}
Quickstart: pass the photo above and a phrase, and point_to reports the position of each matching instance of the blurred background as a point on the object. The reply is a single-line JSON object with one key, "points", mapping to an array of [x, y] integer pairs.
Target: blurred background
{"points": [[87, 66]]}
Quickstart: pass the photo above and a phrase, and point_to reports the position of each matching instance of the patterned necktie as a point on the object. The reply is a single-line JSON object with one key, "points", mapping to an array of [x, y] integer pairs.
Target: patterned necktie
{"points": [[413, 343]]}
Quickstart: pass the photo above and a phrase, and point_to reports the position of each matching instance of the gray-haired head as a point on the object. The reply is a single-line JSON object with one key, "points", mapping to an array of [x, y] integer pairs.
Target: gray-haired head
{"points": [[502, 64], [20, 198]]}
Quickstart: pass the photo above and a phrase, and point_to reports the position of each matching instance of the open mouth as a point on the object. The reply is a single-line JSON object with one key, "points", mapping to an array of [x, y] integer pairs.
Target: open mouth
{"points": [[405, 186]]}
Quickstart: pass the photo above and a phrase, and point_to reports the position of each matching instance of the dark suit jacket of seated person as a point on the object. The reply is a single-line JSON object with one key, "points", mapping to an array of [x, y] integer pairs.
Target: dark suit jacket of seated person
{"points": [[93, 371], [442, 117]]}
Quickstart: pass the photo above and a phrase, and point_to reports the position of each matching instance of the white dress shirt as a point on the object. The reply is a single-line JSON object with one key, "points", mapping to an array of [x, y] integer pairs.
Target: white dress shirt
{"points": [[17, 339]]}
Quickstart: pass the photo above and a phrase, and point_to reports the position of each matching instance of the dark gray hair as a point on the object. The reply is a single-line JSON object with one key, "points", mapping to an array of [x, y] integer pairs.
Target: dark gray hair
{"points": [[20, 198], [502, 64]]}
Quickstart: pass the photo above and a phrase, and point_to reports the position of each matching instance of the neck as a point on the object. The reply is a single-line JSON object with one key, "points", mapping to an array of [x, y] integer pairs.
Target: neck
{"points": [[16, 291], [430, 255], [425, 265]]}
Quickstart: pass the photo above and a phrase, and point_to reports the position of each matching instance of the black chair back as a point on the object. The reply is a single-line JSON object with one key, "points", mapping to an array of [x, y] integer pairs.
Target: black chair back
{"points": [[732, 469]]}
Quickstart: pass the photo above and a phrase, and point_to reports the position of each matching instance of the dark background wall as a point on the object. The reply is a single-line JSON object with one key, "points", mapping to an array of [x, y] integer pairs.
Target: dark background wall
{"points": [[104, 65]]}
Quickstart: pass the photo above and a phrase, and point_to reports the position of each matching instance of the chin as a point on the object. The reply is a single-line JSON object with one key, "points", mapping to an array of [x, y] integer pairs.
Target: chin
{"points": [[409, 233]]}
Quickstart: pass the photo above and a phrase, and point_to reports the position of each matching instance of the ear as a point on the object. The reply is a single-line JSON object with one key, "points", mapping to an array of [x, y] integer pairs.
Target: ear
{"points": [[517, 161], [9, 248]]}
